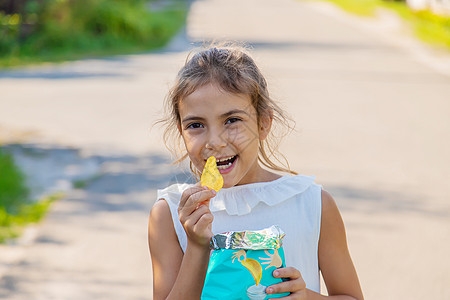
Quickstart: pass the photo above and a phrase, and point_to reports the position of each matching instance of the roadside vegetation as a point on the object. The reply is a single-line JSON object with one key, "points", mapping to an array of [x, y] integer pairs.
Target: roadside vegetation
{"points": [[33, 31], [427, 26], [16, 208]]}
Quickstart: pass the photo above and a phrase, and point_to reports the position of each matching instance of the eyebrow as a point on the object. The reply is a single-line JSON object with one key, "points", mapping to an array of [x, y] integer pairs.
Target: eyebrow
{"points": [[229, 113]]}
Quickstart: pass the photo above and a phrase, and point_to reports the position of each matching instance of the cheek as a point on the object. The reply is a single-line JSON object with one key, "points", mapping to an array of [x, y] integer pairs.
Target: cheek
{"points": [[190, 140], [242, 137], [194, 154], [197, 161], [194, 145]]}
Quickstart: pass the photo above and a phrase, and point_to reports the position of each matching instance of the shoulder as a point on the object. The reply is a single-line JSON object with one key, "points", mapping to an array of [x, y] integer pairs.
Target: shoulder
{"points": [[160, 220], [160, 223], [332, 231], [329, 206], [162, 237], [160, 212], [332, 224]]}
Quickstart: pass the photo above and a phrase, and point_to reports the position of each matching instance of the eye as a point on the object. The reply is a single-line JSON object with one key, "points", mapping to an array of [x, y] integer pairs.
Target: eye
{"points": [[232, 120], [194, 125]]}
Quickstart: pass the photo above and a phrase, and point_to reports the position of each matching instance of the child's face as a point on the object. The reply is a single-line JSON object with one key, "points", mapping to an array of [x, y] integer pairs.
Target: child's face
{"points": [[224, 125]]}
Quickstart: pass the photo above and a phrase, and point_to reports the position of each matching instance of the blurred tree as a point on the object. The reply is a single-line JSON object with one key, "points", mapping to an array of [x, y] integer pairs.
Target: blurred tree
{"points": [[53, 29], [11, 6]]}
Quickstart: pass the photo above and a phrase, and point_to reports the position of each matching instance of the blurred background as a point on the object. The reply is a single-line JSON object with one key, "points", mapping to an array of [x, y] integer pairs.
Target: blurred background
{"points": [[82, 82]]}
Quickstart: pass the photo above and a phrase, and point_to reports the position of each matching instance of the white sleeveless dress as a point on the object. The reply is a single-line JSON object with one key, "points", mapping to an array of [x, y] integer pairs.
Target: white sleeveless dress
{"points": [[291, 202]]}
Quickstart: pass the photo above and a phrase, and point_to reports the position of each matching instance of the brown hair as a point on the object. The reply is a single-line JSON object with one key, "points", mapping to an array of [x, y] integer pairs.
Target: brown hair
{"points": [[230, 67]]}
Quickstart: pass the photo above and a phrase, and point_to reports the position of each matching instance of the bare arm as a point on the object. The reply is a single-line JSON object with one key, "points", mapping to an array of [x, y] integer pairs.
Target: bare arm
{"points": [[165, 251], [335, 262], [177, 275]]}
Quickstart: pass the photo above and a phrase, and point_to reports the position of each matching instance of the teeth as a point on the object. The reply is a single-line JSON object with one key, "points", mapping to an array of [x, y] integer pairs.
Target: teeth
{"points": [[224, 159], [223, 167]]}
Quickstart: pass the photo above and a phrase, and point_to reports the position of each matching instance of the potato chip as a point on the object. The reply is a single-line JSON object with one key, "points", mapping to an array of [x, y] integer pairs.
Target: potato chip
{"points": [[254, 267], [211, 176]]}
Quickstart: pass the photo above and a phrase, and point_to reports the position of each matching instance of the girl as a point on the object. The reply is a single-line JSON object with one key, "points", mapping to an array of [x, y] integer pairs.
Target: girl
{"points": [[220, 106]]}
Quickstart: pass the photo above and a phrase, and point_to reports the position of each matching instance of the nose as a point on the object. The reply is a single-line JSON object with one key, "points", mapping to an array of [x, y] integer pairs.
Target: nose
{"points": [[215, 140]]}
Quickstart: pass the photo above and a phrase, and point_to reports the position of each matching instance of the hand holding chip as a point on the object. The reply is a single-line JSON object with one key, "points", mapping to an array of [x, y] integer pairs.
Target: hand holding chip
{"points": [[193, 211], [211, 177]]}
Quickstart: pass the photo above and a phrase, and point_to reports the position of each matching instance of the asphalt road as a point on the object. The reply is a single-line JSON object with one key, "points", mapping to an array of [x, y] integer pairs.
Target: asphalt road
{"points": [[371, 109]]}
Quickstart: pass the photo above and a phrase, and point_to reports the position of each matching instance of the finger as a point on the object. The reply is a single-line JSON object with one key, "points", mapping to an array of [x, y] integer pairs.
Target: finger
{"points": [[196, 214], [291, 286], [203, 222], [287, 272], [195, 199], [202, 197], [295, 282], [189, 192], [190, 220], [206, 202]]}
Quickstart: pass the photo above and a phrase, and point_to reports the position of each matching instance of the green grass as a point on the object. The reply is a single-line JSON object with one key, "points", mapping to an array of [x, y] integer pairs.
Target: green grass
{"points": [[359, 7], [16, 209], [426, 26], [12, 225], [13, 191], [60, 30]]}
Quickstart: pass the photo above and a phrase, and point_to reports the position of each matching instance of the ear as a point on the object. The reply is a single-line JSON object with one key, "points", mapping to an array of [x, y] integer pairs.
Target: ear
{"points": [[265, 124]]}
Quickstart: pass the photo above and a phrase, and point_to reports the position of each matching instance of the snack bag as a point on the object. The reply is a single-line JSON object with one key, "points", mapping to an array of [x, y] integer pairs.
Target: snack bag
{"points": [[242, 264]]}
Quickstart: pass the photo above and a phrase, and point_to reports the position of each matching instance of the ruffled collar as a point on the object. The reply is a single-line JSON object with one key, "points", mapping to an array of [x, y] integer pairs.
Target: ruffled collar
{"points": [[240, 200]]}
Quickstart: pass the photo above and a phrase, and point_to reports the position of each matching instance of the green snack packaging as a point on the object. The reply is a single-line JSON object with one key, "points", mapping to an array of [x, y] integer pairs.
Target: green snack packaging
{"points": [[242, 264]]}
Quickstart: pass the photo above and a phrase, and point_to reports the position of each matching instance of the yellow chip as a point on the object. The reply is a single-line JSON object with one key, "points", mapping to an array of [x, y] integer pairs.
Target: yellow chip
{"points": [[211, 176], [254, 267]]}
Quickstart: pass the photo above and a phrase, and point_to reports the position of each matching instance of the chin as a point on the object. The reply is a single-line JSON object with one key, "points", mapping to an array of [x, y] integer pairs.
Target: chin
{"points": [[227, 183], [225, 186]]}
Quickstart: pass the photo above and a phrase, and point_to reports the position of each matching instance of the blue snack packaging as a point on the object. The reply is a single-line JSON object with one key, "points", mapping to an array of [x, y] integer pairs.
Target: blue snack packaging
{"points": [[242, 263]]}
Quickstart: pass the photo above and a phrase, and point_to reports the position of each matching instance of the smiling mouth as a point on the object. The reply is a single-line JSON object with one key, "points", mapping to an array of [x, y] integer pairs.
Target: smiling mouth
{"points": [[226, 163]]}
